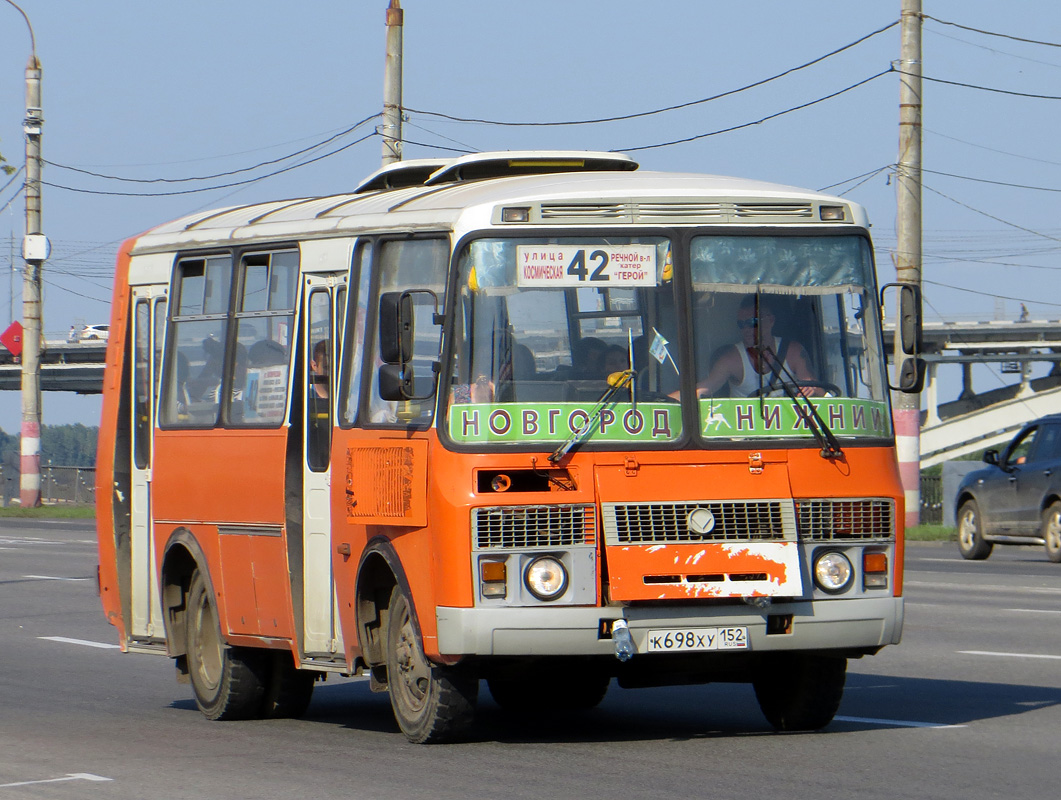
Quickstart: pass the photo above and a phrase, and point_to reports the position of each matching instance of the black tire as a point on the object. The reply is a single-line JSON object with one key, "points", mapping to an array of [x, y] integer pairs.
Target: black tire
{"points": [[431, 703], [289, 690], [971, 542], [1051, 532], [569, 691], [228, 682], [800, 692]]}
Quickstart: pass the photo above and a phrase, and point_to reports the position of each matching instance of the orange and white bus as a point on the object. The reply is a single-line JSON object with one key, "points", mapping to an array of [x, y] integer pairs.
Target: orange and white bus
{"points": [[465, 424]]}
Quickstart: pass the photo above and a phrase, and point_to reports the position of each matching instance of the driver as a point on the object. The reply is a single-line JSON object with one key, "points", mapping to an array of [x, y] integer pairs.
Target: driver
{"points": [[752, 362]]}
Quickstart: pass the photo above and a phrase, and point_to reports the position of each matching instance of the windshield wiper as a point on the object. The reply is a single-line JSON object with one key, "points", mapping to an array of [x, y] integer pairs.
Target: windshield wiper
{"points": [[830, 445], [616, 382]]}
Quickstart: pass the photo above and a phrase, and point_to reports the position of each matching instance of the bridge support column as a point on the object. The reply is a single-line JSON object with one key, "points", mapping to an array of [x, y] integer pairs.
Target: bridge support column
{"points": [[932, 395]]}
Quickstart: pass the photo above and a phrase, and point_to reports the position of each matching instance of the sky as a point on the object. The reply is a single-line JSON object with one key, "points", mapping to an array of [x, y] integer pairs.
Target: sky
{"points": [[196, 88]]}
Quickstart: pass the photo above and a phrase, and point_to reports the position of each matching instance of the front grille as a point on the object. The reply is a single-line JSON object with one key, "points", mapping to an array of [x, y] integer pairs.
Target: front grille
{"points": [[509, 527], [734, 521], [830, 520]]}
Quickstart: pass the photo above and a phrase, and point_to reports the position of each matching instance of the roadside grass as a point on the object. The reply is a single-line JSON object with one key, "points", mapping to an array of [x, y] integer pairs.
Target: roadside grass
{"points": [[931, 533], [51, 511]]}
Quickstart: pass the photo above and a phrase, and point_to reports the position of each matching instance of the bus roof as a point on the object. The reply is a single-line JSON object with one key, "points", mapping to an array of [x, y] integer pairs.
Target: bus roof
{"points": [[584, 198]]}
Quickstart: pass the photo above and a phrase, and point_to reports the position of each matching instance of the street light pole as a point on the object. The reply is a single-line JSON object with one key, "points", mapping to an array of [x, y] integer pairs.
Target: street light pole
{"points": [[34, 250]]}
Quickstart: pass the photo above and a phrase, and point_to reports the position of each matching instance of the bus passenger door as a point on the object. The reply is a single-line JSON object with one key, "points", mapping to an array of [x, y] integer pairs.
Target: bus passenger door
{"points": [[324, 304], [149, 325]]}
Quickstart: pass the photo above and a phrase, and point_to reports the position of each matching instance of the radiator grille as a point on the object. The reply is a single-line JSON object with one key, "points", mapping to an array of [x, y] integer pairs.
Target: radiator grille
{"points": [[509, 527], [734, 521], [829, 520]]}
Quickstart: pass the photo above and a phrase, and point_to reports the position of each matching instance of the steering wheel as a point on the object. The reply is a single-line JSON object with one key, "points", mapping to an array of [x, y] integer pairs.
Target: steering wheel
{"points": [[645, 396], [831, 389]]}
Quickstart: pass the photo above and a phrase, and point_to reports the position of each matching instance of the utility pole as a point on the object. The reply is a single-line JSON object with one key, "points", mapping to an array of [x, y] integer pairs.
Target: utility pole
{"points": [[34, 251], [392, 86], [907, 407]]}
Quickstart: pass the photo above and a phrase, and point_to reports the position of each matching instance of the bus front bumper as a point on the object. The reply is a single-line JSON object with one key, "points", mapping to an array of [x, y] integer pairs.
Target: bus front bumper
{"points": [[862, 624]]}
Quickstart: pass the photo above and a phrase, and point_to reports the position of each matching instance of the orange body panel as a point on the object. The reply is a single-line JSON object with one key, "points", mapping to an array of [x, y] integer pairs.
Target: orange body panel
{"points": [[234, 476], [105, 452]]}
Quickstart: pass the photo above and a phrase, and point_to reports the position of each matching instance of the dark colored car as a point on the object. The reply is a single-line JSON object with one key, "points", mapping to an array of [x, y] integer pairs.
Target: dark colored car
{"points": [[1016, 498]]}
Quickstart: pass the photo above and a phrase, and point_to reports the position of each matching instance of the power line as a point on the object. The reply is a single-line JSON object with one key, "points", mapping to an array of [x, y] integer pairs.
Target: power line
{"points": [[992, 149], [990, 216], [1010, 92], [756, 122], [330, 139], [865, 176], [989, 33], [993, 183], [220, 186], [665, 109], [989, 294]]}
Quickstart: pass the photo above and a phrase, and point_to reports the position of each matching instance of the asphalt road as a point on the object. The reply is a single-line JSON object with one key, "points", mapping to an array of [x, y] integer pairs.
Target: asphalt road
{"points": [[966, 707]]}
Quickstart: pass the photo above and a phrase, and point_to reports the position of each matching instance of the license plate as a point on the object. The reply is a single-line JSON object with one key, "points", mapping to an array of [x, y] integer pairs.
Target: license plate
{"points": [[685, 640]]}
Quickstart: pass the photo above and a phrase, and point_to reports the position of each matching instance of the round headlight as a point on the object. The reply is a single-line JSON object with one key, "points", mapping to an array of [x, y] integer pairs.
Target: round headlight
{"points": [[545, 578], [833, 572]]}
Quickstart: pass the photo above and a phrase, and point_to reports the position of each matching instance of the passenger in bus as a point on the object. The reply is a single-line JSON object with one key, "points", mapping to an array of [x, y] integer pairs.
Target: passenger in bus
{"points": [[753, 362], [616, 359], [207, 380], [318, 365], [588, 361]]}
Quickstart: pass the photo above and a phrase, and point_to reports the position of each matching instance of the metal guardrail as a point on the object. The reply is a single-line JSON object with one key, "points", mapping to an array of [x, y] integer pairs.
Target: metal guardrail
{"points": [[931, 500], [58, 485]]}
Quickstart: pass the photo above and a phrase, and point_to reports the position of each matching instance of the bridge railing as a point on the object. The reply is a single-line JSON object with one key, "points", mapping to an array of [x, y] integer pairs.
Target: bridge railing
{"points": [[58, 485]]}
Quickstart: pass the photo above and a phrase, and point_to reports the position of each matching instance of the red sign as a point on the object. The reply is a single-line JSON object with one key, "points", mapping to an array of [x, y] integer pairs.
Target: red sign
{"points": [[12, 338]]}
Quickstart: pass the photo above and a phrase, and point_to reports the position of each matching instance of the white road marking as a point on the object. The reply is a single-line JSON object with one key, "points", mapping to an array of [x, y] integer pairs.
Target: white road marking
{"points": [[85, 642], [982, 587], [1035, 610], [898, 723], [1007, 655], [72, 776], [52, 578]]}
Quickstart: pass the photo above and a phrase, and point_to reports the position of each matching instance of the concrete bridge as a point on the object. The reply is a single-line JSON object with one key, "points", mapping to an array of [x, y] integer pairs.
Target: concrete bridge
{"points": [[980, 416]]}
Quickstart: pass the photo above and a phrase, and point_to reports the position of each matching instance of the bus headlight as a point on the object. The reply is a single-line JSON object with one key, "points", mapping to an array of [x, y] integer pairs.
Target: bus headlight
{"points": [[545, 578], [833, 572]]}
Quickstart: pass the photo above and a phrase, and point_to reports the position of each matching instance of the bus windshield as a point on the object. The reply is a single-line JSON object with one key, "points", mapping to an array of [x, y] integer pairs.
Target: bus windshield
{"points": [[797, 310], [541, 323]]}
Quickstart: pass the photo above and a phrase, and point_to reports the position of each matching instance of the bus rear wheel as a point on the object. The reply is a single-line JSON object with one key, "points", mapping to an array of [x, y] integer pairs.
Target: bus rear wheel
{"points": [[228, 682], [800, 692], [431, 703], [289, 690]]}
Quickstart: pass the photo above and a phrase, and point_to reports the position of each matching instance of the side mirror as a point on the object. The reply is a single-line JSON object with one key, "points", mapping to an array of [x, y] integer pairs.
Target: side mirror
{"points": [[909, 369], [397, 338], [396, 327], [395, 383], [991, 457]]}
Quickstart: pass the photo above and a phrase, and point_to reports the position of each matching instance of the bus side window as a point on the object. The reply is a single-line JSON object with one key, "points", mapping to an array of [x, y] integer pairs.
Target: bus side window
{"points": [[195, 344]]}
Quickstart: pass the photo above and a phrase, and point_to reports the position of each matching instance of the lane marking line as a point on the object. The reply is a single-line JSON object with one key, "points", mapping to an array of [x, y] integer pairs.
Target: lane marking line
{"points": [[52, 578], [950, 585], [85, 642], [897, 723], [1035, 610], [1007, 655], [71, 776]]}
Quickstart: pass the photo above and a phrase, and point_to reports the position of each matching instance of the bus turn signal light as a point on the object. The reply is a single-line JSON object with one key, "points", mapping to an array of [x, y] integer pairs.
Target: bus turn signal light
{"points": [[874, 570], [494, 578]]}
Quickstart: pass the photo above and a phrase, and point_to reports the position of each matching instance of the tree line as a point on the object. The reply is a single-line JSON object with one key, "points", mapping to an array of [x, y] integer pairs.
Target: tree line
{"points": [[61, 445]]}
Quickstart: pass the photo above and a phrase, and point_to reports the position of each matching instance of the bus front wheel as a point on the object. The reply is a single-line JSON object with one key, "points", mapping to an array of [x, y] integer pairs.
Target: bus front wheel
{"points": [[431, 703], [228, 682], [800, 692]]}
